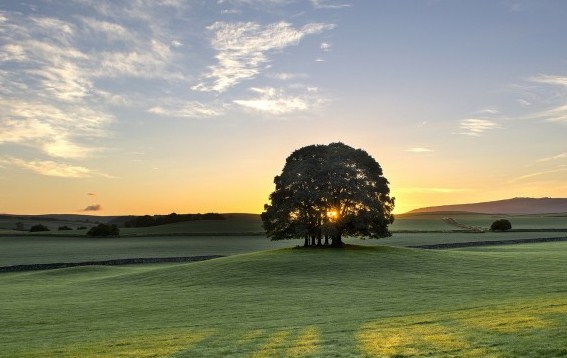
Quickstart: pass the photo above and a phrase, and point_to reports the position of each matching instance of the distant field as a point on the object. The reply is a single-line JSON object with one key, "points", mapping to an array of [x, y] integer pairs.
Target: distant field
{"points": [[8, 226], [234, 223], [434, 221], [360, 302], [17, 250]]}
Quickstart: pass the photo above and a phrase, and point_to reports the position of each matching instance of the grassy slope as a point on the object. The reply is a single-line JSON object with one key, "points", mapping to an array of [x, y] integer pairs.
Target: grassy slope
{"points": [[380, 301]]}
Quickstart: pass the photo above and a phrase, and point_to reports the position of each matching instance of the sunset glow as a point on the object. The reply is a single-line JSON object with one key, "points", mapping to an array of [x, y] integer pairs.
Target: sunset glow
{"points": [[186, 106], [333, 215]]}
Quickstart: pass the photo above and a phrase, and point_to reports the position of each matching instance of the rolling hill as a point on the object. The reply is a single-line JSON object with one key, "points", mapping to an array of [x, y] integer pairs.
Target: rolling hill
{"points": [[515, 206], [358, 302]]}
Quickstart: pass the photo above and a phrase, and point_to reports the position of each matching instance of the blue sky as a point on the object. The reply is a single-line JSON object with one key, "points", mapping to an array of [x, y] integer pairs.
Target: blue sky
{"points": [[152, 107]]}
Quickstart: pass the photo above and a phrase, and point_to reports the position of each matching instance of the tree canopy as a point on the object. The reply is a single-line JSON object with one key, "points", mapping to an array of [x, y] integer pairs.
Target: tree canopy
{"points": [[104, 230], [501, 225], [329, 191]]}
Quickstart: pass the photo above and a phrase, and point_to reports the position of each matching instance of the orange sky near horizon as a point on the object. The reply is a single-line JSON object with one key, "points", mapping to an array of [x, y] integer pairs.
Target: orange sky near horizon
{"points": [[244, 187]]}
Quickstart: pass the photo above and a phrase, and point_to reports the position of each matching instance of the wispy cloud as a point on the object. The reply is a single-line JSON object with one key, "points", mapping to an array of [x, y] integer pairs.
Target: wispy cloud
{"points": [[488, 111], [554, 95], [191, 109], [155, 60], [49, 128], [51, 168], [555, 157], [111, 31], [243, 47], [329, 4], [550, 80], [557, 114], [286, 76], [420, 150], [277, 101], [55, 96], [537, 174], [95, 207], [325, 46], [477, 127], [262, 3]]}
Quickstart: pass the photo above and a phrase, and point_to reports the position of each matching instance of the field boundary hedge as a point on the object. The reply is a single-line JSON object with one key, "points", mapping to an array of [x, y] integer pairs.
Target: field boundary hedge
{"points": [[129, 261], [456, 245]]}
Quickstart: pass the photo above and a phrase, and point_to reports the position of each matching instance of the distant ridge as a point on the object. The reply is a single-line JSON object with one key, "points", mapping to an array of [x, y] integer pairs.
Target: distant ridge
{"points": [[525, 206]]}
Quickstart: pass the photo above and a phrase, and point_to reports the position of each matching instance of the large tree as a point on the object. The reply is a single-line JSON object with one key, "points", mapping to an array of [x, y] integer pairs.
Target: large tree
{"points": [[329, 191]]}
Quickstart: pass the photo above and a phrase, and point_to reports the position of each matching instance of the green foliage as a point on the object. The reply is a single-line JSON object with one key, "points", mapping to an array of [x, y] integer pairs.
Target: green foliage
{"points": [[39, 227], [329, 190], [64, 228], [104, 230], [501, 225]]}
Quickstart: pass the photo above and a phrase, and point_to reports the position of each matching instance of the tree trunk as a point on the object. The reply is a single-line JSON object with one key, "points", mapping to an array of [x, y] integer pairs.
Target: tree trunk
{"points": [[306, 243], [319, 241], [326, 240], [313, 241], [338, 241]]}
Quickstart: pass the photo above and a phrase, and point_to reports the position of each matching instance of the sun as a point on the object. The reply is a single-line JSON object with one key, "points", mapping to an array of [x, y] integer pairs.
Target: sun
{"points": [[333, 215]]}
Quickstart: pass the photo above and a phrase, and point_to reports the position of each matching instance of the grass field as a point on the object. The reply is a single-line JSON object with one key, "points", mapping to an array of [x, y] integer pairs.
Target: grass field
{"points": [[359, 302], [19, 250], [232, 236], [33, 249], [377, 299]]}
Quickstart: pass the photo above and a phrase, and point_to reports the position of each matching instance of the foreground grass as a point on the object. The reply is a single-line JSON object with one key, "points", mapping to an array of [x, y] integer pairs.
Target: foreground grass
{"points": [[359, 302]]}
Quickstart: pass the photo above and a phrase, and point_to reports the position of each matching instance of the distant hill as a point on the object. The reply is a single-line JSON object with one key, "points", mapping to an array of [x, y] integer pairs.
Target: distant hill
{"points": [[520, 206]]}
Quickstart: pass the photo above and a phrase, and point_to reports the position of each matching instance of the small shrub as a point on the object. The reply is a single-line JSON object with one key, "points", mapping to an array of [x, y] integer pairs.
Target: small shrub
{"points": [[82, 228], [501, 225], [65, 227], [102, 230], [39, 227]]}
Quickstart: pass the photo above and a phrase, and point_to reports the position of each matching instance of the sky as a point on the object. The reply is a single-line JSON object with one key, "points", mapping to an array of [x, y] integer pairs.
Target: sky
{"points": [[147, 107]]}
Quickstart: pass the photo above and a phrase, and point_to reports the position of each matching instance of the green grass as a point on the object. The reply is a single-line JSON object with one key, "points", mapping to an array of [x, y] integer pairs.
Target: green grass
{"points": [[18, 250], [359, 302], [412, 239]]}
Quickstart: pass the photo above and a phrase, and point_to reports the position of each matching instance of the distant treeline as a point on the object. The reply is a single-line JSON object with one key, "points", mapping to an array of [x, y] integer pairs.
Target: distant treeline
{"points": [[148, 220]]}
